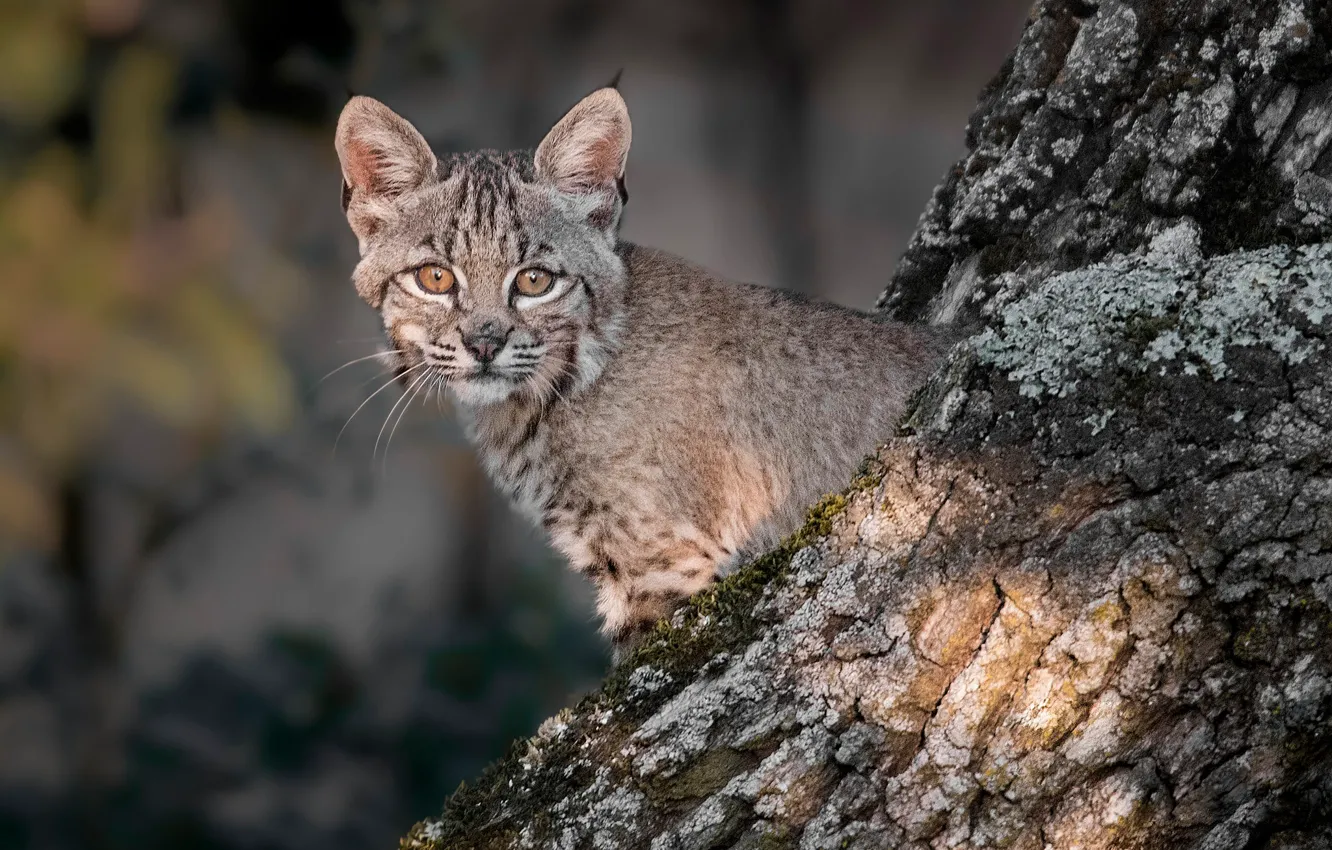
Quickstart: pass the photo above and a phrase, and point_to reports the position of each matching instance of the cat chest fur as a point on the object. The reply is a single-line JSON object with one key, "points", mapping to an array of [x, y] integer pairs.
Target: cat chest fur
{"points": [[645, 534], [512, 445], [659, 422]]}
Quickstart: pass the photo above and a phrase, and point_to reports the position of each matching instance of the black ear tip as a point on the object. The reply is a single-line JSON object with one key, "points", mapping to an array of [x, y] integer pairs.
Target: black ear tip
{"points": [[615, 80]]}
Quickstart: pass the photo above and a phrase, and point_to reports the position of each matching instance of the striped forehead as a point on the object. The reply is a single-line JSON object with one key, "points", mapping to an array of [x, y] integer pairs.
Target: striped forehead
{"points": [[483, 218]]}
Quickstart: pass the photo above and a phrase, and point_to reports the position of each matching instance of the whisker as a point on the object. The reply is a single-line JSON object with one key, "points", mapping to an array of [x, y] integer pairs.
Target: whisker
{"points": [[414, 389], [357, 360], [368, 381], [367, 401], [439, 392], [541, 388], [554, 382], [374, 454], [551, 385]]}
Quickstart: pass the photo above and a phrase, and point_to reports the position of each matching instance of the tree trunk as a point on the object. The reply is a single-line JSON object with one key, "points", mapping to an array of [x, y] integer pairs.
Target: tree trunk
{"points": [[1084, 598]]}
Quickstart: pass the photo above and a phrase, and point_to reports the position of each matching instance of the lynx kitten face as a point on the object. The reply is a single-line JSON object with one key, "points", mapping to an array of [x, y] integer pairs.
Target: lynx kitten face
{"points": [[496, 273], [660, 423]]}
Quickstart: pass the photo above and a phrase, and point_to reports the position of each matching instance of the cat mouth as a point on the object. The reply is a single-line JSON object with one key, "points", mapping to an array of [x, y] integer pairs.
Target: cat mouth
{"points": [[483, 372], [482, 386], [488, 375], [453, 373]]}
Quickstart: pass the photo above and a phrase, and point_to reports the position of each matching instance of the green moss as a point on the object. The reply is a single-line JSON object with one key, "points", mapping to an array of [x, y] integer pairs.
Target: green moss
{"points": [[776, 838], [868, 476], [531, 778], [528, 781], [1253, 644], [722, 616]]}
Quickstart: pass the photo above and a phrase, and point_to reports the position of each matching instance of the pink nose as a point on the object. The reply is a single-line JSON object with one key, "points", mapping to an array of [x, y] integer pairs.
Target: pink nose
{"points": [[483, 348]]}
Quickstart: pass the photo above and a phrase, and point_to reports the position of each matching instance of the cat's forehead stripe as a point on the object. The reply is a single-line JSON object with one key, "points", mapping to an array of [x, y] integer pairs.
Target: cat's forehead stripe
{"points": [[488, 202]]}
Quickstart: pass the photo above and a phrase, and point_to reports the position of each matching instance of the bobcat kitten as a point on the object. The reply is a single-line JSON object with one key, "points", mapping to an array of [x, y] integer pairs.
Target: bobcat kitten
{"points": [[657, 421]]}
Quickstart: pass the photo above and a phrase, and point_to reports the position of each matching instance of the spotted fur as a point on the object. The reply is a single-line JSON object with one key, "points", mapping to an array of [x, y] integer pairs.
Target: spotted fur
{"points": [[658, 422]]}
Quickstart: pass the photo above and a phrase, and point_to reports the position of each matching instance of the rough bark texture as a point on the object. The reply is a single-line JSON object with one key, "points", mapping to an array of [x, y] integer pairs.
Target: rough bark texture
{"points": [[1084, 599]]}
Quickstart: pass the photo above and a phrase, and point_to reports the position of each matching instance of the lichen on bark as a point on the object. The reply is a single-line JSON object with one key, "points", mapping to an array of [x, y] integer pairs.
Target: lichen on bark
{"points": [[1023, 637], [1169, 307], [1084, 597]]}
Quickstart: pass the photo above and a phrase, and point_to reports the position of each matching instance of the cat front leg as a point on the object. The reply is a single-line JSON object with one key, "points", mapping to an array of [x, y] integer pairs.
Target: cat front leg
{"points": [[634, 595], [640, 578]]}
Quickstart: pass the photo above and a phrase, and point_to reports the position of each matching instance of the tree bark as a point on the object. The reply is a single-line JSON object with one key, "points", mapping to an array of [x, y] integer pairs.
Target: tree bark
{"points": [[1084, 597]]}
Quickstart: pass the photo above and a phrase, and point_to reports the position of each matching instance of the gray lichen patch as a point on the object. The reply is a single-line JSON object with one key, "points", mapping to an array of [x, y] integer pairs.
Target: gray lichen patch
{"points": [[1290, 35], [600, 773], [1044, 660], [1166, 309], [1199, 121], [1011, 635], [1105, 51], [1114, 119]]}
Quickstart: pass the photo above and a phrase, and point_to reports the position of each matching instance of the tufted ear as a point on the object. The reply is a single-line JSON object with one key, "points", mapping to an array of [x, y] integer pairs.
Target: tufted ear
{"points": [[585, 153], [382, 157]]}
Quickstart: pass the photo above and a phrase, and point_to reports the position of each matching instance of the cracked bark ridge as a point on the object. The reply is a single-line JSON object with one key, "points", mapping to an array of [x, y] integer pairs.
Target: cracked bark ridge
{"points": [[1113, 119], [1030, 624], [1084, 599]]}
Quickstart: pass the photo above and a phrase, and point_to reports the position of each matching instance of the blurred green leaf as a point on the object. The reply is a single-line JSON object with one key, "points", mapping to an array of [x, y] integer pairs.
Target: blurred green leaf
{"points": [[131, 132], [41, 59]]}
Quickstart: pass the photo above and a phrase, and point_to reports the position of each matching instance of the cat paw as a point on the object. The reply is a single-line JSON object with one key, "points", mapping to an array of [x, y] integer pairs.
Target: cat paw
{"points": [[626, 641]]}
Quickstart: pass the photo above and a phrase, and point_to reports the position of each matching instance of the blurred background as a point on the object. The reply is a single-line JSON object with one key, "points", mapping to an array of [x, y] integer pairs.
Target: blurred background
{"points": [[223, 626]]}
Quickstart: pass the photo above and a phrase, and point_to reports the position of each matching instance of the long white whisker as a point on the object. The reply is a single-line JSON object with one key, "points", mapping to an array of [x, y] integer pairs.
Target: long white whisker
{"points": [[415, 389], [374, 454], [551, 387], [439, 392], [367, 401], [551, 384], [368, 381], [354, 362], [541, 386]]}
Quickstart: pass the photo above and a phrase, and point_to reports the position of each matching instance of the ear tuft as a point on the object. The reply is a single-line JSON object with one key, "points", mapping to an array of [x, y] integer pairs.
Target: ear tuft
{"points": [[587, 150], [382, 154]]}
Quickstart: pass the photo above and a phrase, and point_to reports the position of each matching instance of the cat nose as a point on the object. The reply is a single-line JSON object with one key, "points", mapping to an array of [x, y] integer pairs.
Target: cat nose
{"points": [[483, 346]]}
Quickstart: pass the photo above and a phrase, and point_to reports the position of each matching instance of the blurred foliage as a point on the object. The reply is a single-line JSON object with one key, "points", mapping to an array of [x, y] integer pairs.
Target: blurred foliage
{"points": [[135, 294], [117, 294], [298, 705]]}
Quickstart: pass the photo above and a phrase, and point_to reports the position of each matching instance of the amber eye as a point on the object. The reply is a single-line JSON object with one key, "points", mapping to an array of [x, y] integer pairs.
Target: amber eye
{"points": [[533, 282], [434, 279]]}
